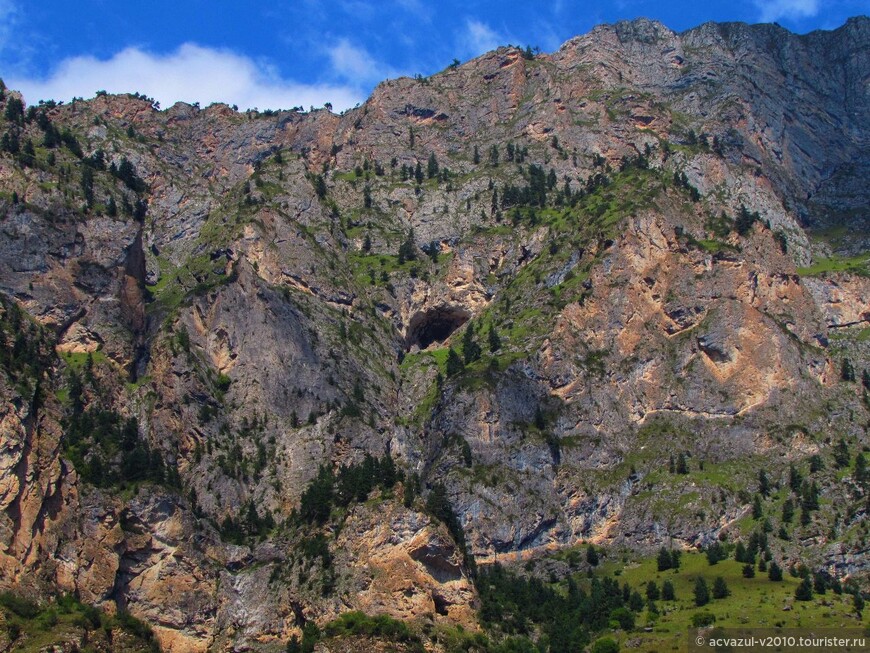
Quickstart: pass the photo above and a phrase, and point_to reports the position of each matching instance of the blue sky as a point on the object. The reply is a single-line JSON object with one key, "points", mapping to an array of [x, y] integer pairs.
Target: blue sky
{"points": [[281, 54]]}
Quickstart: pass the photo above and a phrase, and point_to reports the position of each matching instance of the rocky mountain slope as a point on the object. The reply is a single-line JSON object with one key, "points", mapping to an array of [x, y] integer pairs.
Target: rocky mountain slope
{"points": [[262, 369]]}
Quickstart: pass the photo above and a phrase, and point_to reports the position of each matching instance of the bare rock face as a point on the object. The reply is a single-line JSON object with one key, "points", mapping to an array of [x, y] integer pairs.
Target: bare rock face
{"points": [[414, 567], [534, 283], [149, 553], [843, 298], [77, 278], [721, 322], [38, 489]]}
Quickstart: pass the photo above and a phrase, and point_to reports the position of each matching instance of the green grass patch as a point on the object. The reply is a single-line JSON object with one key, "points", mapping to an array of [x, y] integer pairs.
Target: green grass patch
{"points": [[32, 627], [853, 264], [77, 360], [346, 176], [381, 626], [753, 602], [369, 269]]}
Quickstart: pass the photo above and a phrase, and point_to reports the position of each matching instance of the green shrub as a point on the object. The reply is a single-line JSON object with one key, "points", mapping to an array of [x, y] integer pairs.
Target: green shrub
{"points": [[605, 645], [703, 619], [24, 608]]}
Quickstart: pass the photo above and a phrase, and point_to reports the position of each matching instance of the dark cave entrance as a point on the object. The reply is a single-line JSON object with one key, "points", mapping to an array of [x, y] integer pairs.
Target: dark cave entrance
{"points": [[434, 325]]}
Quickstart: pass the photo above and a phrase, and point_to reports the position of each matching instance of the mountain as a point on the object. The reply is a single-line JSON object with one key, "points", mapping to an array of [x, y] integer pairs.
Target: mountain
{"points": [[264, 369]]}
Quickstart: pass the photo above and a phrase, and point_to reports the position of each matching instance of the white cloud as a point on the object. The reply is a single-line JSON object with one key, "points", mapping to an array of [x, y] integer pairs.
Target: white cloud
{"points": [[191, 74], [478, 37], [771, 10], [354, 63], [8, 17], [415, 7]]}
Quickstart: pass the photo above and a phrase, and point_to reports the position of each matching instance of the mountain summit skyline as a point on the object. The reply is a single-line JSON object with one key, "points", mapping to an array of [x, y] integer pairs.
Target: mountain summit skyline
{"points": [[306, 54]]}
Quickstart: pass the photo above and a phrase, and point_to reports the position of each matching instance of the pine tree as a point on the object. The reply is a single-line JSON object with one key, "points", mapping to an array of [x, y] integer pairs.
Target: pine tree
{"points": [[408, 250], [794, 479], [432, 166], [438, 505], [470, 349], [14, 110], [757, 512], [820, 583], [454, 363], [810, 497], [702, 594], [682, 465], [861, 474], [715, 553], [847, 372], [10, 142], [592, 555], [720, 588], [745, 220], [774, 572], [763, 483], [652, 591], [804, 591], [87, 185], [806, 516], [841, 454], [28, 154], [320, 186], [668, 591], [316, 501], [494, 340], [664, 559]]}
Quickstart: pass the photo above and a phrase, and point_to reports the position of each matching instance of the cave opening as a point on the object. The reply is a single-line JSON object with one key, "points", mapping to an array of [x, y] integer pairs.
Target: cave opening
{"points": [[441, 604], [434, 325]]}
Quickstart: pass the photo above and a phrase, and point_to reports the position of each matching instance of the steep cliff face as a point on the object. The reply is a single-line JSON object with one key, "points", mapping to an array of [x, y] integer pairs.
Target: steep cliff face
{"points": [[529, 282], [38, 488]]}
